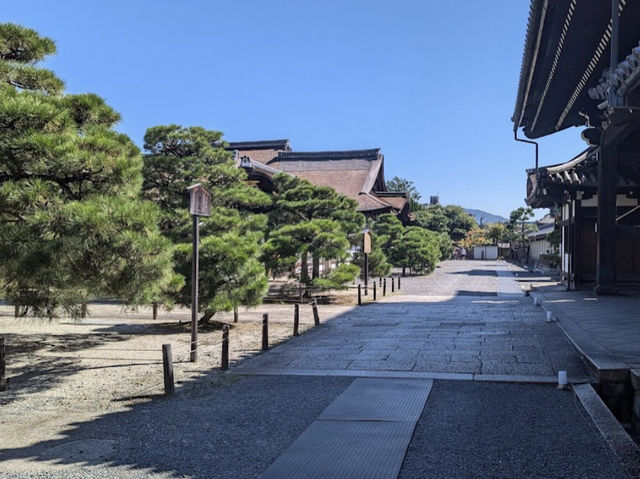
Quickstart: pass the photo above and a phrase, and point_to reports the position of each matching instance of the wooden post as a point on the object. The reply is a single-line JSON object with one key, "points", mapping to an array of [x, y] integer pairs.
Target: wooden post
{"points": [[193, 356], [235, 314], [265, 331], [359, 295], [393, 283], [83, 312], [224, 361], [606, 235], [16, 310], [384, 287], [314, 307], [3, 380], [167, 366], [296, 319], [374, 290], [155, 310], [399, 283]]}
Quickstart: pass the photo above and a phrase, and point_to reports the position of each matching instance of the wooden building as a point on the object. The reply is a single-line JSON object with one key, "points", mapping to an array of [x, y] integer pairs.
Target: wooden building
{"points": [[581, 67], [357, 174]]}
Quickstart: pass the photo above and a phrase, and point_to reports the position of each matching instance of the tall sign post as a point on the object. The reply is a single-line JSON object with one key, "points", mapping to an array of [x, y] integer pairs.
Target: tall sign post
{"points": [[199, 205], [366, 249]]}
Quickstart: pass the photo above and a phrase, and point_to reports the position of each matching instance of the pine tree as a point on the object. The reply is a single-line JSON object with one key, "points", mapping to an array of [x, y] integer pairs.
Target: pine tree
{"points": [[309, 221], [73, 225], [231, 273]]}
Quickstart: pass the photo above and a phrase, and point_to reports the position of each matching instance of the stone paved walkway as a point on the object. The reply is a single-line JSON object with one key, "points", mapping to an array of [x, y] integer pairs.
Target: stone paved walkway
{"points": [[469, 320], [605, 328]]}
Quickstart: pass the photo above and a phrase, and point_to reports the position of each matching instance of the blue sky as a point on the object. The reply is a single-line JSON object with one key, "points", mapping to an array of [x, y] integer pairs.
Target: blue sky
{"points": [[431, 82]]}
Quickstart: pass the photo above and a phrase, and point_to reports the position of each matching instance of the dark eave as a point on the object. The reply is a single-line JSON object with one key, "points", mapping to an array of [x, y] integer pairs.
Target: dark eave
{"points": [[567, 49], [259, 145], [372, 154]]}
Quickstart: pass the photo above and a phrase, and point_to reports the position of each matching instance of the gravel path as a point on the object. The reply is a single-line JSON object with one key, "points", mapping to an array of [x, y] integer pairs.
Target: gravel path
{"points": [[233, 430], [489, 430]]}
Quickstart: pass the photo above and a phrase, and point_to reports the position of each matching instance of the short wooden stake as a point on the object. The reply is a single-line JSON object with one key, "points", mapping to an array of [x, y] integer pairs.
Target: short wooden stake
{"points": [[235, 314], [3, 380], [16, 310], [374, 290], [167, 366], [399, 283], [359, 295], [314, 307], [155, 310], [393, 283], [265, 331], [296, 319], [224, 361], [384, 287]]}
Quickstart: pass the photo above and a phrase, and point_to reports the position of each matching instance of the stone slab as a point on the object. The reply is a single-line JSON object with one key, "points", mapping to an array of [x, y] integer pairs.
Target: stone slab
{"points": [[378, 399]]}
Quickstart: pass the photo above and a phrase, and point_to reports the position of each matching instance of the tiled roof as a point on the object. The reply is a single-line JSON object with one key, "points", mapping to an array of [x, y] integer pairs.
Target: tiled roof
{"points": [[260, 145], [625, 77]]}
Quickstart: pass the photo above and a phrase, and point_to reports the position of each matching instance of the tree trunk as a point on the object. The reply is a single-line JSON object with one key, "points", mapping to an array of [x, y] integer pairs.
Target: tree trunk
{"points": [[304, 271], [315, 269], [206, 317]]}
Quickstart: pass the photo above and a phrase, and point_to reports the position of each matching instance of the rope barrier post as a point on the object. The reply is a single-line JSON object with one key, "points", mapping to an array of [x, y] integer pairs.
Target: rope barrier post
{"points": [[393, 282], [380, 280], [167, 367], [296, 319], [265, 331], [235, 313], [399, 282], [384, 287], [359, 295], [3, 381], [314, 307], [155, 310], [374, 290], [224, 361]]}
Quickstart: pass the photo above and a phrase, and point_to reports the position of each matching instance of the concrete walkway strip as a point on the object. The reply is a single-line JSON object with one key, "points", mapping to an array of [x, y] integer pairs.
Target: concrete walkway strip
{"points": [[617, 439], [363, 433]]}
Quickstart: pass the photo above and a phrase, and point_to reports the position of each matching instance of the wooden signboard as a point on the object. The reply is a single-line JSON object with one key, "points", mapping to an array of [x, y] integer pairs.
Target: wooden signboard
{"points": [[199, 200], [366, 242]]}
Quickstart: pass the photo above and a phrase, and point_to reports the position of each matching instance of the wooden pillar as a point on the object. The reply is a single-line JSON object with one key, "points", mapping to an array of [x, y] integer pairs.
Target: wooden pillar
{"points": [[606, 235], [575, 246]]}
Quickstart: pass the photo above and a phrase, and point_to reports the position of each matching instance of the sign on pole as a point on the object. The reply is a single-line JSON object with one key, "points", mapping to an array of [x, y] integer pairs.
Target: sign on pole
{"points": [[199, 200], [366, 241]]}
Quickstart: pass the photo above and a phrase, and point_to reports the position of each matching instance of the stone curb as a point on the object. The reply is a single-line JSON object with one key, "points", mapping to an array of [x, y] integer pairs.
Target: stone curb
{"points": [[613, 433]]}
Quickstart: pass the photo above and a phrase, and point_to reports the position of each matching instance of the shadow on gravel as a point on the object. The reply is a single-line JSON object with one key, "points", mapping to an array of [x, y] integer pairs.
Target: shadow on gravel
{"points": [[42, 369]]}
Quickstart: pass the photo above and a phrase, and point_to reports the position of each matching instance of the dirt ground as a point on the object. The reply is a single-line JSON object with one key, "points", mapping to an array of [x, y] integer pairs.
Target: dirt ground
{"points": [[64, 371]]}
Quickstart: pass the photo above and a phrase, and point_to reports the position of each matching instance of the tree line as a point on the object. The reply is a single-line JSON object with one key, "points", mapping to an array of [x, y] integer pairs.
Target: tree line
{"points": [[85, 214]]}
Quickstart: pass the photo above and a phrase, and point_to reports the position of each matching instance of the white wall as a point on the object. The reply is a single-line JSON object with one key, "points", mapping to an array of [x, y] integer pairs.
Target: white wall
{"points": [[538, 247], [485, 252]]}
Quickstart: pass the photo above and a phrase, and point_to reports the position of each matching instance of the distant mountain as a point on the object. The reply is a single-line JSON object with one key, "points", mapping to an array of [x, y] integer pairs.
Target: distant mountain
{"points": [[483, 218]]}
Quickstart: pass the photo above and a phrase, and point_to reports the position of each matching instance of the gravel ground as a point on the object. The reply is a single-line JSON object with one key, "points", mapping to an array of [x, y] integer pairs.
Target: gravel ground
{"points": [[490, 430], [208, 430], [63, 372]]}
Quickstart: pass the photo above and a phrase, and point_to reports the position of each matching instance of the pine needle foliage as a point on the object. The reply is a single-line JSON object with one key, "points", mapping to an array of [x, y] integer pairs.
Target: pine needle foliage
{"points": [[231, 273], [73, 225]]}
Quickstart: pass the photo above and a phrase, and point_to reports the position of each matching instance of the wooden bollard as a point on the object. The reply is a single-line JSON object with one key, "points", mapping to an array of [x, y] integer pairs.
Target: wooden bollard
{"points": [[359, 295], [399, 283], [224, 361], [393, 282], [167, 366], [16, 310], [296, 319], [235, 314], [265, 331], [384, 287], [380, 280], [374, 290], [3, 380], [155, 310], [314, 307]]}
